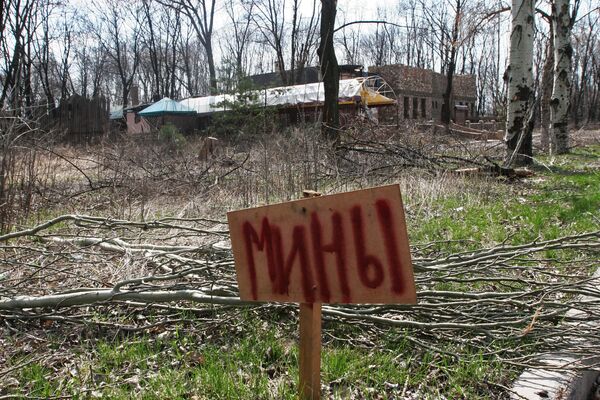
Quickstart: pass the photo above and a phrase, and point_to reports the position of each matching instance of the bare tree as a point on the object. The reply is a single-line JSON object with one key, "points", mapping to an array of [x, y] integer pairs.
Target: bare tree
{"points": [[16, 19], [45, 57], [300, 36], [582, 88], [193, 65], [329, 70], [160, 37], [519, 124], [153, 48], [448, 105], [200, 14], [447, 22], [119, 36], [63, 73], [96, 62], [350, 42], [418, 34], [563, 53], [399, 36], [386, 44], [236, 43]]}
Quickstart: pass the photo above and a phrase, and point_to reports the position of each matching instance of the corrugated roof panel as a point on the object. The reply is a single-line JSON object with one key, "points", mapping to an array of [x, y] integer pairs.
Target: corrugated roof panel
{"points": [[166, 106]]}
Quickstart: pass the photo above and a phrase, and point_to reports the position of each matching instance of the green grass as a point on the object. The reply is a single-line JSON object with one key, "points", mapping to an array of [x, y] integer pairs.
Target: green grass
{"points": [[260, 363], [37, 382], [559, 202]]}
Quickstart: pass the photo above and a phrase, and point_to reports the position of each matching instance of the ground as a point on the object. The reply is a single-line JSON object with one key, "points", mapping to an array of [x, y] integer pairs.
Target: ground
{"points": [[450, 346]]}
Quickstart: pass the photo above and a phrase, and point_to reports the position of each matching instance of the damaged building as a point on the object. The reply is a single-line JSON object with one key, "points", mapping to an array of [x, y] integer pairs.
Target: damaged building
{"points": [[304, 102], [420, 92], [384, 94]]}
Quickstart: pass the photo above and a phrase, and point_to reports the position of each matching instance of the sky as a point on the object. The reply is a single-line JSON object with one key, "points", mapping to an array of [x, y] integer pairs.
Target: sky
{"points": [[347, 9]]}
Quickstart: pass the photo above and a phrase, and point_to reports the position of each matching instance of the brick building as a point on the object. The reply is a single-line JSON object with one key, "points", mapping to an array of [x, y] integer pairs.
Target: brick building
{"points": [[420, 92]]}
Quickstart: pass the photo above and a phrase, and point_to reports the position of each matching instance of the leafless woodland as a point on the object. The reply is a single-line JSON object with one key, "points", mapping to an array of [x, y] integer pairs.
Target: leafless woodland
{"points": [[51, 50]]}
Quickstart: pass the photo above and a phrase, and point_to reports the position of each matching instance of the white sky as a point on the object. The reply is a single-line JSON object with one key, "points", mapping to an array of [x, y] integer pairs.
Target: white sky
{"points": [[347, 9]]}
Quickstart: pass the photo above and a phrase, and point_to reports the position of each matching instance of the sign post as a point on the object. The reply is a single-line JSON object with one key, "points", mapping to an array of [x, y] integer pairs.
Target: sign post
{"points": [[310, 351], [349, 248], [310, 344]]}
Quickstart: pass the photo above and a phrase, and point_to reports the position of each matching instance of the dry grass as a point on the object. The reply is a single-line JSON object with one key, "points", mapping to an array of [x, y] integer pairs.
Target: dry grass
{"points": [[138, 178]]}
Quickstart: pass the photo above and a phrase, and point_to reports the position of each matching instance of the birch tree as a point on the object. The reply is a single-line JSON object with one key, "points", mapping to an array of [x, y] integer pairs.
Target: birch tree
{"points": [[563, 53], [519, 123], [546, 88]]}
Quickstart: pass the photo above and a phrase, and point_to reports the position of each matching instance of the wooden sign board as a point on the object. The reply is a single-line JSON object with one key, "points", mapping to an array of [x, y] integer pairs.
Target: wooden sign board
{"points": [[342, 248]]}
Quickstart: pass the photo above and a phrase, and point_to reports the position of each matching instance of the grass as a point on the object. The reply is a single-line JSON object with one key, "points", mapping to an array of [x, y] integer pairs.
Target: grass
{"points": [[257, 356], [259, 365], [561, 201]]}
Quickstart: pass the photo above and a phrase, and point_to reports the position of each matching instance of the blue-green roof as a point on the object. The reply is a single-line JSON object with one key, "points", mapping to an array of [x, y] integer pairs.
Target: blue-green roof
{"points": [[166, 106]]}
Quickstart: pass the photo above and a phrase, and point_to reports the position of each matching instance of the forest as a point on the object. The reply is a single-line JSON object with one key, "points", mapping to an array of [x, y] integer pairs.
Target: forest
{"points": [[51, 50]]}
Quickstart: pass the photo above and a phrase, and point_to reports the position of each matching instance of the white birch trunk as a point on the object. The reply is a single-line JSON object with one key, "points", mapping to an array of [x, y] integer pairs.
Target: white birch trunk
{"points": [[563, 53], [546, 92], [520, 83]]}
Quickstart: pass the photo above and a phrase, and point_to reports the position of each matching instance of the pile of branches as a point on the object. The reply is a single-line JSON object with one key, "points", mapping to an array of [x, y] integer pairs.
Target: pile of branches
{"points": [[511, 303], [366, 157]]}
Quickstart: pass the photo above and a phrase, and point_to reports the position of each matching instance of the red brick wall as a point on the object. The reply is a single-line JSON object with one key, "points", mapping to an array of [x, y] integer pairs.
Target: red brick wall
{"points": [[425, 84], [465, 87]]}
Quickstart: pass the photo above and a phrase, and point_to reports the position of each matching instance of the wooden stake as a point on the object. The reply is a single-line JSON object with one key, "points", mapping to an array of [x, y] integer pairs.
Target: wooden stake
{"points": [[310, 351], [310, 343]]}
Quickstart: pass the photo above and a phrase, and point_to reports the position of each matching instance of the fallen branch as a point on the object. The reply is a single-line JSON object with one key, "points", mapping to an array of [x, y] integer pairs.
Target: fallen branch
{"points": [[491, 295]]}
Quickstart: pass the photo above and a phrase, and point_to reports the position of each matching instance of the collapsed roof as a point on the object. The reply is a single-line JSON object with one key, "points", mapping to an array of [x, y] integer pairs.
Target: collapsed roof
{"points": [[369, 91]]}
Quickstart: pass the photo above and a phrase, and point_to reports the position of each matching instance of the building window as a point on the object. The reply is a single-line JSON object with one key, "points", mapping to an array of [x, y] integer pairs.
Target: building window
{"points": [[406, 103], [415, 110], [423, 109]]}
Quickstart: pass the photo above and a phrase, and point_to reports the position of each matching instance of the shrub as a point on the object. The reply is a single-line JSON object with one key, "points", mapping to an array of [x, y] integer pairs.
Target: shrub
{"points": [[246, 117], [169, 133]]}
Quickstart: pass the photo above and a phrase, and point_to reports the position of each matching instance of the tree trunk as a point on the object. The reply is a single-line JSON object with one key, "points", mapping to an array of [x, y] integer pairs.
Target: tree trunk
{"points": [[212, 74], [448, 100], [563, 53], [520, 84], [125, 95], [329, 71], [201, 15], [546, 89], [448, 106], [153, 52]]}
